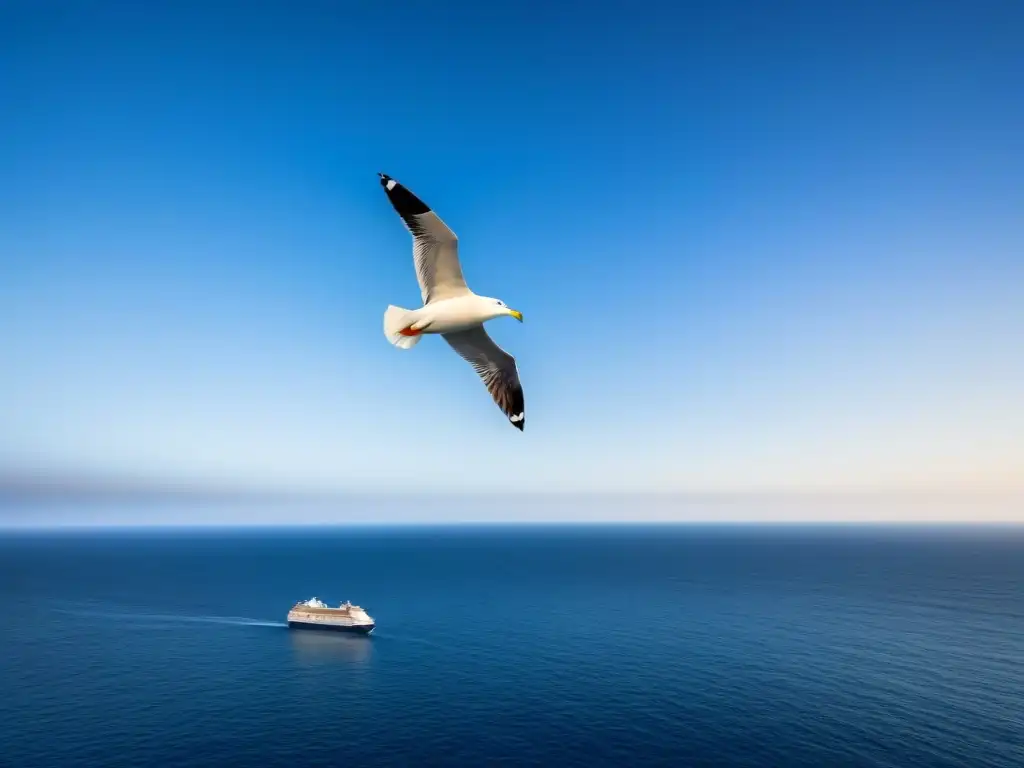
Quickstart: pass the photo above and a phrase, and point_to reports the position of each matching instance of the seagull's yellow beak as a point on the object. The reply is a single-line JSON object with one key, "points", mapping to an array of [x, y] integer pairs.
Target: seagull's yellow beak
{"points": [[516, 314]]}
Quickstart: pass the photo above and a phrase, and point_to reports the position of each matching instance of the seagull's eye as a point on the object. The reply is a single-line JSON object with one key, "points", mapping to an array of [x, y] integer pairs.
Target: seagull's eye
{"points": [[501, 303]]}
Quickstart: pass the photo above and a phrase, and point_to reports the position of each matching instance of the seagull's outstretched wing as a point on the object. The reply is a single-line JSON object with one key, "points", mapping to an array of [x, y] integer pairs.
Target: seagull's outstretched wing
{"points": [[435, 248], [496, 367]]}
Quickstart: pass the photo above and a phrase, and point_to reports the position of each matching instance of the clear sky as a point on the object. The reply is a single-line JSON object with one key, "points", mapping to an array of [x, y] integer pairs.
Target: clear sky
{"points": [[757, 245]]}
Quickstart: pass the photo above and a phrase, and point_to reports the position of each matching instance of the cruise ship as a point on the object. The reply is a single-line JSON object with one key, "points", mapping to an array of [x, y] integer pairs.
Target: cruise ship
{"points": [[314, 614]]}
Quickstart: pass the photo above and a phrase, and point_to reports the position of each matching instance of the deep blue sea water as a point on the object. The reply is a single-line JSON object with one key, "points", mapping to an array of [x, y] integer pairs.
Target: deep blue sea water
{"points": [[728, 646]]}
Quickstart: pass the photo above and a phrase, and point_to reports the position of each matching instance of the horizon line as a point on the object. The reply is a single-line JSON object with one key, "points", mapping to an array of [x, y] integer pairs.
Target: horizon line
{"points": [[411, 525], [29, 488]]}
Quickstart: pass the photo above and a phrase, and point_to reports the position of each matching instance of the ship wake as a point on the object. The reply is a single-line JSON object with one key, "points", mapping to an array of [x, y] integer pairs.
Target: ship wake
{"points": [[133, 617]]}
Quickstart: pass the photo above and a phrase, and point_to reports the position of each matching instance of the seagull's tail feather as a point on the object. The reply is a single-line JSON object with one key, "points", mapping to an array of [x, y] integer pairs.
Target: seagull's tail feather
{"points": [[394, 323]]}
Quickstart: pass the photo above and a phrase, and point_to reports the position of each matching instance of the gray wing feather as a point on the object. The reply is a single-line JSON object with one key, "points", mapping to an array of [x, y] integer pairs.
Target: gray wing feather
{"points": [[435, 253], [435, 248], [495, 367]]}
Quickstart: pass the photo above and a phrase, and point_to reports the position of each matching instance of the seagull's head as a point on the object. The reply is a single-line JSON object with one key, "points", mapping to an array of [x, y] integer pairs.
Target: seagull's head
{"points": [[497, 308]]}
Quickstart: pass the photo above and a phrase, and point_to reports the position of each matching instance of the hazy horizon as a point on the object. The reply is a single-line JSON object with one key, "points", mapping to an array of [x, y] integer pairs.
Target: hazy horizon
{"points": [[425, 509]]}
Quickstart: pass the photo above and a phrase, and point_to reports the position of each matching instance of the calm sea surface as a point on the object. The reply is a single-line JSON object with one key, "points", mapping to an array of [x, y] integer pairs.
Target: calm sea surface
{"points": [[676, 646]]}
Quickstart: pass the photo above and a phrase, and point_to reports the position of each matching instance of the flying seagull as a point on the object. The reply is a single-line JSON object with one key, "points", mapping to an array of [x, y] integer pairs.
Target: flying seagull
{"points": [[449, 307]]}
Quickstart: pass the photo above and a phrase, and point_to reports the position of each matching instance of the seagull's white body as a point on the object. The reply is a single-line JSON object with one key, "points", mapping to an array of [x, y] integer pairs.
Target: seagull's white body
{"points": [[453, 315], [449, 308]]}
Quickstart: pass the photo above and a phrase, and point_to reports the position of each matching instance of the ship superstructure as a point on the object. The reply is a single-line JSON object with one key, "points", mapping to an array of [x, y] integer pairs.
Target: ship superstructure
{"points": [[314, 614]]}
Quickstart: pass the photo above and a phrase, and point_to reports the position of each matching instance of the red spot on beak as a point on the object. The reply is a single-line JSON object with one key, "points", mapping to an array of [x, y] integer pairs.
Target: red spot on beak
{"points": [[409, 332]]}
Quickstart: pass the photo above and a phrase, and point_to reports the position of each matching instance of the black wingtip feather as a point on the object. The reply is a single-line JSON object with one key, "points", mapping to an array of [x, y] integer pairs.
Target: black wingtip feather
{"points": [[404, 201], [517, 414]]}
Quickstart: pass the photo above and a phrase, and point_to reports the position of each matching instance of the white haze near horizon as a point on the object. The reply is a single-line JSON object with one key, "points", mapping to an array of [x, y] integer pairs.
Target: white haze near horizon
{"points": [[528, 509]]}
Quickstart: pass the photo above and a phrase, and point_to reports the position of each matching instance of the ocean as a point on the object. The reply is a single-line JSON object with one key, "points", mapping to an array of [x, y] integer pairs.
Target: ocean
{"points": [[609, 645]]}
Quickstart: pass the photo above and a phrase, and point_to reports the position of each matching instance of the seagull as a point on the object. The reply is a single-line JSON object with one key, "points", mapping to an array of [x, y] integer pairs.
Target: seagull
{"points": [[449, 307]]}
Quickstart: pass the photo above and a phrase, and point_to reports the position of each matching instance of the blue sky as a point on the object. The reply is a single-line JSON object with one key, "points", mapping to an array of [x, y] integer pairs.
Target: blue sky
{"points": [[758, 246]]}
